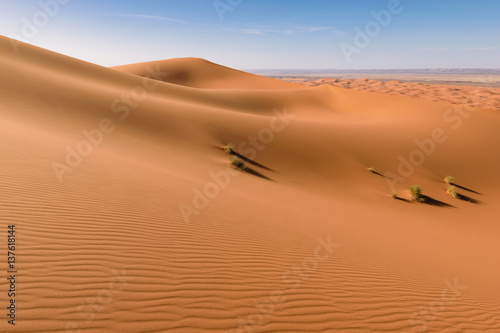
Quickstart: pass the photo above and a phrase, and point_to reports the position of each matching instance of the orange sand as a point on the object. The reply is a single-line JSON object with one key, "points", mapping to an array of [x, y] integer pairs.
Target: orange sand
{"points": [[307, 241], [480, 97]]}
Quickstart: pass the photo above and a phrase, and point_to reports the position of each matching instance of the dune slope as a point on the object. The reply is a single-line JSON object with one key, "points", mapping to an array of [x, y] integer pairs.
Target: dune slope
{"points": [[200, 73], [129, 218]]}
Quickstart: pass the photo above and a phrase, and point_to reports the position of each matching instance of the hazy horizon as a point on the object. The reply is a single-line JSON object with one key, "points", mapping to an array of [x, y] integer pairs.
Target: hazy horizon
{"points": [[377, 69]]}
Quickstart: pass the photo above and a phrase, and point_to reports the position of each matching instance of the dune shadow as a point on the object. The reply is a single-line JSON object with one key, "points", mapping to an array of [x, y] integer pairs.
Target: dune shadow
{"points": [[433, 202], [465, 188], [253, 172], [467, 198]]}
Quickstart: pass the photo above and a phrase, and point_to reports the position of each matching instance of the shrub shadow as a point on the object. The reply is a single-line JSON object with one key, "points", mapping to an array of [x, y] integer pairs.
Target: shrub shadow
{"points": [[247, 169], [249, 161], [253, 172], [465, 188], [377, 173], [433, 202], [467, 198]]}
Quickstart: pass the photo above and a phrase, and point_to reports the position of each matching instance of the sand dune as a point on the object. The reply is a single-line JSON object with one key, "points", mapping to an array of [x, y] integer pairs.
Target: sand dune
{"points": [[129, 218], [480, 96], [200, 73]]}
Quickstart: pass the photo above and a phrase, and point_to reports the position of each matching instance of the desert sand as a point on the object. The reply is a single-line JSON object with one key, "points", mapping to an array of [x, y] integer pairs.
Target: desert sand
{"points": [[130, 219], [479, 96]]}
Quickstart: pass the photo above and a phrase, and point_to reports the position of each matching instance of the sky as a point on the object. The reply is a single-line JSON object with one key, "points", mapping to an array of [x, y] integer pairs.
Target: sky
{"points": [[265, 34]]}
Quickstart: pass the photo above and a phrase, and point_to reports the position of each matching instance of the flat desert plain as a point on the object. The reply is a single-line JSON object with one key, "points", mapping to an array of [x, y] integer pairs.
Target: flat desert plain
{"points": [[130, 217]]}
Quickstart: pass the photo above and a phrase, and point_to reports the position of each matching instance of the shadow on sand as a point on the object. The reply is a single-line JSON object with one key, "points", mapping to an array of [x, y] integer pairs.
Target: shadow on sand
{"points": [[249, 161], [249, 170], [253, 172], [467, 198], [377, 173], [465, 188], [433, 202]]}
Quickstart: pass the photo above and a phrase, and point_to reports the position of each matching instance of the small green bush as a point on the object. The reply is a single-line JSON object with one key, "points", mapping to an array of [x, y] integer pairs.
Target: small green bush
{"points": [[371, 170], [229, 148], [448, 180], [452, 190], [416, 193], [237, 162], [394, 195]]}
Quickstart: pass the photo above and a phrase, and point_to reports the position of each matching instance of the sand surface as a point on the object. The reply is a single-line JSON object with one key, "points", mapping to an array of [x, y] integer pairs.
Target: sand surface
{"points": [[129, 218], [479, 96]]}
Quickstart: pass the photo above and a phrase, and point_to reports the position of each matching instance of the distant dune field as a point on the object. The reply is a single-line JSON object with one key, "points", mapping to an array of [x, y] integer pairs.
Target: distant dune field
{"points": [[130, 218], [486, 78], [476, 96]]}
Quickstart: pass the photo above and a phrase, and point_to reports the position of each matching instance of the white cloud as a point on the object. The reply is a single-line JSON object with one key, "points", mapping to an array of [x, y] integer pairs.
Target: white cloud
{"points": [[446, 48], [247, 31], [262, 32], [251, 31], [479, 48], [314, 29], [288, 32], [152, 17]]}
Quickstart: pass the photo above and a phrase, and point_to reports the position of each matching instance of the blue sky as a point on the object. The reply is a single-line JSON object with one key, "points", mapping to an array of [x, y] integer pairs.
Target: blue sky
{"points": [[259, 34]]}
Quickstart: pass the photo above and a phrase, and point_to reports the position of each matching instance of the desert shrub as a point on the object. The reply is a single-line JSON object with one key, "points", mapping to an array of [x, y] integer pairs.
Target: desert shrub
{"points": [[394, 195], [416, 193], [237, 162], [229, 148], [452, 190], [371, 170], [448, 180]]}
